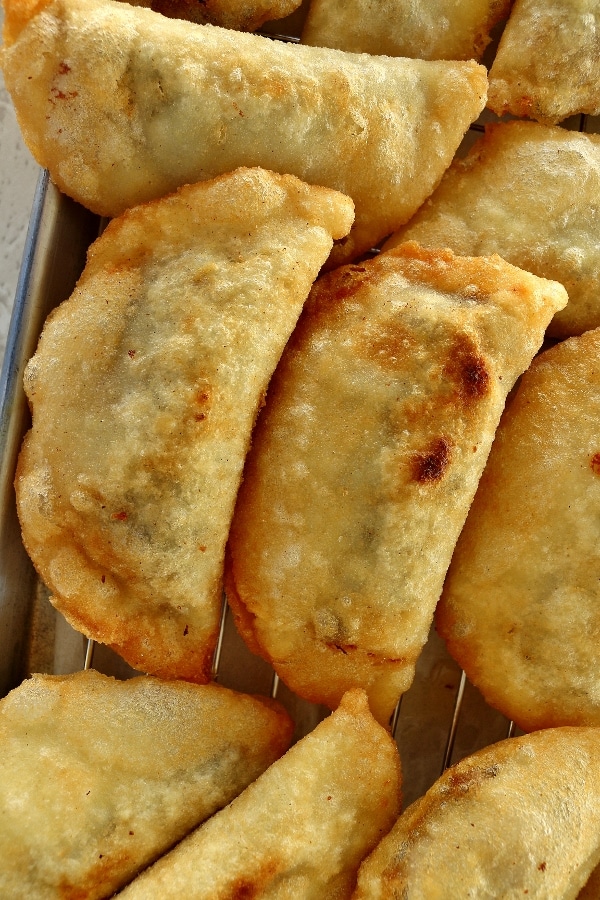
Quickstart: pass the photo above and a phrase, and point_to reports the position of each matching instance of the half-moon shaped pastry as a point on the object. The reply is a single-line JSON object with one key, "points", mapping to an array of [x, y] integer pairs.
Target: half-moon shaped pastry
{"points": [[123, 105], [420, 29], [547, 66], [521, 604], [98, 777], [520, 818], [242, 15], [365, 460], [302, 829], [144, 390], [529, 193]]}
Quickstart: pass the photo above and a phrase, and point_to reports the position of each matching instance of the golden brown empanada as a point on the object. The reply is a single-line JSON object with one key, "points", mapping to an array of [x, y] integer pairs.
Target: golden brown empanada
{"points": [[144, 390], [548, 62], [518, 819], [242, 15], [98, 777], [521, 605], [446, 29], [530, 193], [365, 459]]}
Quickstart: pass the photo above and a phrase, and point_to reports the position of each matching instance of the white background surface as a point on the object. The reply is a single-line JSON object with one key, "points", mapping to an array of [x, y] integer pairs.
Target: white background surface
{"points": [[18, 177]]}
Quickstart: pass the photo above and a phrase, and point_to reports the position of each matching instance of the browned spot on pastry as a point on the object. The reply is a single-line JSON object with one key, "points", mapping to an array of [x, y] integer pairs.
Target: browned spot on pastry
{"points": [[391, 347], [248, 888], [595, 463], [475, 377], [202, 404], [70, 892], [61, 95], [203, 396], [467, 369], [244, 890], [461, 781], [431, 465], [344, 648], [347, 281], [106, 870]]}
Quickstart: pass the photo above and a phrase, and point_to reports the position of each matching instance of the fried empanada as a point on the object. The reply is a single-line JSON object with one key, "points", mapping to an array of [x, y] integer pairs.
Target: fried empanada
{"points": [[521, 605], [520, 818], [530, 193], [418, 30], [302, 829], [144, 390], [548, 62], [98, 777], [242, 15], [123, 105], [365, 459]]}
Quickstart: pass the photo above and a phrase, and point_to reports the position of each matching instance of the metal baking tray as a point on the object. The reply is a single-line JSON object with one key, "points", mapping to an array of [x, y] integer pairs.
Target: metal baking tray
{"points": [[441, 719]]}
